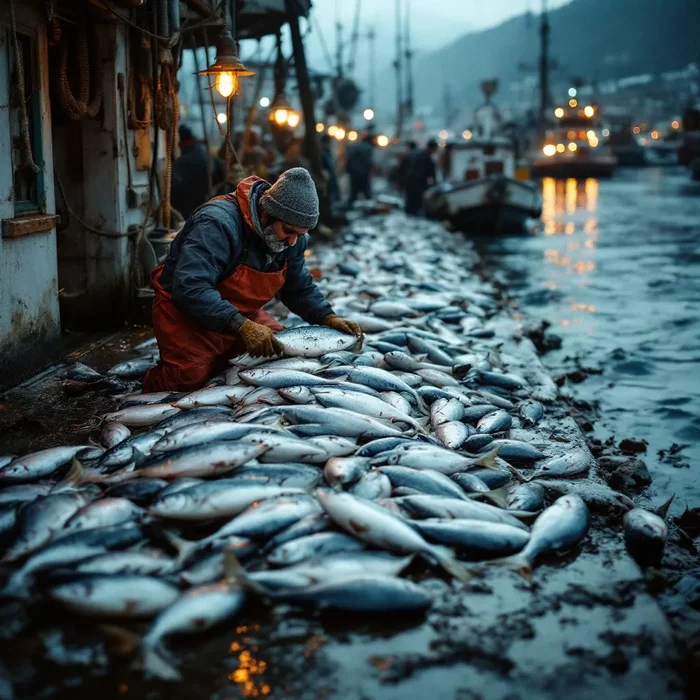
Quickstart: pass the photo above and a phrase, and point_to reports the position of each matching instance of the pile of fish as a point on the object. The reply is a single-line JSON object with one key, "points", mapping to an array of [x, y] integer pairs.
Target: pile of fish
{"points": [[316, 478]]}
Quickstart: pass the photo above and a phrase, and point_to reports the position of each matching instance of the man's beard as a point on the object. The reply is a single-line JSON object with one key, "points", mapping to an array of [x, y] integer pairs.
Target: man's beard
{"points": [[273, 243]]}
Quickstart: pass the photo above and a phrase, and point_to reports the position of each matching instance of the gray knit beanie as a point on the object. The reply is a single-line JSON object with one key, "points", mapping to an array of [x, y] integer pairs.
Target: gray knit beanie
{"points": [[292, 199]]}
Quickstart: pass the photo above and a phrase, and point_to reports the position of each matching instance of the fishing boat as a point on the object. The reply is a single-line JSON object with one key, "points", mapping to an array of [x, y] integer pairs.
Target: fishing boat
{"points": [[484, 196], [574, 146]]}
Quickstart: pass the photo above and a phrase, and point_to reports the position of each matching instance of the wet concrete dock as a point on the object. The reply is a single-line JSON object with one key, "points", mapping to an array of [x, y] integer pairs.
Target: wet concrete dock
{"points": [[585, 626]]}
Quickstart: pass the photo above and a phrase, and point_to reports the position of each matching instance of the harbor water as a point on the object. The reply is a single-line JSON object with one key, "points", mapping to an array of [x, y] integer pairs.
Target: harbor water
{"points": [[614, 266]]}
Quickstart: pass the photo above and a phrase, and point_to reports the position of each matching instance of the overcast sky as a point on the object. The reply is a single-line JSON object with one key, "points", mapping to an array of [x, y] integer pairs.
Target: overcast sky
{"points": [[434, 23]]}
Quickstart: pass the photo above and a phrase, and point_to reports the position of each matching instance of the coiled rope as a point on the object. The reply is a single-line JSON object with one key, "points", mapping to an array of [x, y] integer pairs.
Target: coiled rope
{"points": [[89, 81], [23, 118]]}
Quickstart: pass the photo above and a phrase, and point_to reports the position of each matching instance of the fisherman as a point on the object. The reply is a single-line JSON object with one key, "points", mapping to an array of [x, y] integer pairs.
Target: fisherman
{"points": [[234, 254], [419, 175], [190, 185], [359, 167]]}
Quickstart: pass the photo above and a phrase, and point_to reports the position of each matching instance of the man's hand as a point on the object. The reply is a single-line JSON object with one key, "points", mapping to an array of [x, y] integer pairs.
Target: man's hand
{"points": [[340, 324], [259, 340]]}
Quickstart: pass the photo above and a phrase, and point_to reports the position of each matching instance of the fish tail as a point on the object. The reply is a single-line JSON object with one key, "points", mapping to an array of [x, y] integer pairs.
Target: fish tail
{"points": [[76, 472], [422, 406], [662, 510], [456, 569], [234, 571], [124, 642], [488, 461], [518, 474], [517, 562], [155, 665], [185, 548], [497, 496]]}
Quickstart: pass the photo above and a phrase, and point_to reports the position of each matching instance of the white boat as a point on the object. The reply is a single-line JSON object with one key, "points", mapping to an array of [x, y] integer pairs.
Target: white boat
{"points": [[573, 147], [485, 196]]}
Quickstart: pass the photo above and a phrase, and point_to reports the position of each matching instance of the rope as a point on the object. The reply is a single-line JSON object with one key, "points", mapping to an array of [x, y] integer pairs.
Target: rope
{"points": [[145, 32], [24, 119], [106, 233], [88, 81]]}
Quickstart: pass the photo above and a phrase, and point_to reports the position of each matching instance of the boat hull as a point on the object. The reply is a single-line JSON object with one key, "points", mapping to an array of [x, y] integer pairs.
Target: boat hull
{"points": [[573, 168], [490, 205]]}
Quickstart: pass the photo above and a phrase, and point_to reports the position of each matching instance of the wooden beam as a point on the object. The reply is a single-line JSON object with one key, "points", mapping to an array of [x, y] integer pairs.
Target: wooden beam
{"points": [[307, 102]]}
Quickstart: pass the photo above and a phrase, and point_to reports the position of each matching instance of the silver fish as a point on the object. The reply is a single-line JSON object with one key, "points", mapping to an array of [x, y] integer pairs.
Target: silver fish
{"points": [[453, 434], [315, 545], [280, 378], [114, 433], [366, 593], [211, 459], [215, 499], [340, 471], [372, 485], [195, 611], [376, 526], [141, 416], [102, 513], [39, 464], [125, 595], [497, 422], [561, 526], [645, 536], [214, 396], [445, 410], [39, 521], [314, 341], [454, 508], [475, 538]]}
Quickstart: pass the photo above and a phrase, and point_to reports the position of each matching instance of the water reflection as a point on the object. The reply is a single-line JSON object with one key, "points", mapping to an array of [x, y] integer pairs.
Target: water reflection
{"points": [[248, 676]]}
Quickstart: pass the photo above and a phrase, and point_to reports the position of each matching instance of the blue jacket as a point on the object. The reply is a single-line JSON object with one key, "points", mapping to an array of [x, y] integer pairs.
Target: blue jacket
{"points": [[208, 250]]}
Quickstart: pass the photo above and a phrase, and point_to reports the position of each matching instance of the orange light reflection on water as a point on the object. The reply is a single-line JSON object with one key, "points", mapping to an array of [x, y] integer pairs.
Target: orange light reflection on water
{"points": [[249, 673]]}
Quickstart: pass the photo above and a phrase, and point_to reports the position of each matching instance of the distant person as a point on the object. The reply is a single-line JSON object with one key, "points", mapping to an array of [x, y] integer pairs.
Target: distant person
{"points": [[190, 184], [328, 163], [446, 162], [420, 175], [359, 166], [403, 164]]}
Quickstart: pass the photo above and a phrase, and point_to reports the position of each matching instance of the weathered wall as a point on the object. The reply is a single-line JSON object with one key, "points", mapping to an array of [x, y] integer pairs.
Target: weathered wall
{"points": [[95, 269], [29, 315]]}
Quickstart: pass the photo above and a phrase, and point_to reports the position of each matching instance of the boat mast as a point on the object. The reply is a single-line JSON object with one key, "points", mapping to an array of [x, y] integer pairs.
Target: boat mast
{"points": [[544, 64], [398, 64], [409, 55]]}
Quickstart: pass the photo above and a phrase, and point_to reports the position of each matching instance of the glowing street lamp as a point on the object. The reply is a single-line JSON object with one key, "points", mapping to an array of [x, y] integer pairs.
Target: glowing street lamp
{"points": [[264, 102], [368, 114], [559, 112], [320, 127], [227, 67], [466, 134], [382, 141], [589, 111], [282, 113], [352, 136]]}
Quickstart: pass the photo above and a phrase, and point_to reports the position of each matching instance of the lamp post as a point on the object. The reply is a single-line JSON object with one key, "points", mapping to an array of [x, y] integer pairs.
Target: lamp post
{"points": [[228, 70]]}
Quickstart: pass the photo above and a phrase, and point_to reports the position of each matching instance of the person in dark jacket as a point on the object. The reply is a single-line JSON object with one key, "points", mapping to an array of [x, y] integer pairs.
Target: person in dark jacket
{"points": [[234, 254], [328, 163], [403, 164], [419, 175], [359, 167], [190, 183]]}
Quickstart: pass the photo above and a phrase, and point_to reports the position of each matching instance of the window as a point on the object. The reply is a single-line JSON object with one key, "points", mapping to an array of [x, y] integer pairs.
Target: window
{"points": [[28, 185]]}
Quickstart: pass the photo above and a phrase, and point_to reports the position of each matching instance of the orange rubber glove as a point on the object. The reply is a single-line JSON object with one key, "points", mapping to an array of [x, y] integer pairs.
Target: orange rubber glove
{"points": [[340, 324], [259, 340]]}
